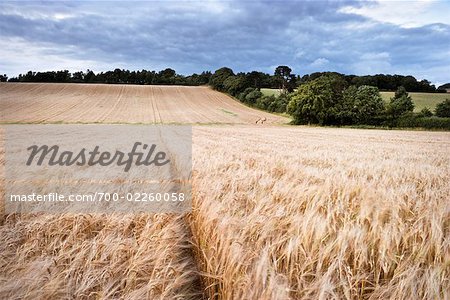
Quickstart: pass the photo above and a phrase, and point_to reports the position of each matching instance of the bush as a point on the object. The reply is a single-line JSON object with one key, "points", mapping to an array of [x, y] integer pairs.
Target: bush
{"points": [[265, 102], [280, 103], [253, 96], [400, 104], [412, 121], [425, 112], [443, 109], [247, 91]]}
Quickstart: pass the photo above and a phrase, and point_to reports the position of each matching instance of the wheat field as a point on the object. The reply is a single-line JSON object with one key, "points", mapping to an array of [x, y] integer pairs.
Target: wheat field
{"points": [[311, 213], [279, 212]]}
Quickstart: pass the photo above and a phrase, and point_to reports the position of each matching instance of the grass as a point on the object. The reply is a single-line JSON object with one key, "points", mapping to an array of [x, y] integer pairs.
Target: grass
{"points": [[421, 100], [270, 92], [228, 112]]}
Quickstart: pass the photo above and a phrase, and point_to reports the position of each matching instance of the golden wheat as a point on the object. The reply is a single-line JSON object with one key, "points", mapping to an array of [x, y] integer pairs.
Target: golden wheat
{"points": [[278, 213], [96, 257], [311, 213]]}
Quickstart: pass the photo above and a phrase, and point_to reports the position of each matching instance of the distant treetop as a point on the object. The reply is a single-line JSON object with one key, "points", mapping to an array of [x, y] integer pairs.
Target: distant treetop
{"points": [[282, 78], [444, 86]]}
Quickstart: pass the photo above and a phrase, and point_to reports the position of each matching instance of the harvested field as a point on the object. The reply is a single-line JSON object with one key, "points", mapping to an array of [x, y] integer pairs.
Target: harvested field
{"points": [[101, 103]]}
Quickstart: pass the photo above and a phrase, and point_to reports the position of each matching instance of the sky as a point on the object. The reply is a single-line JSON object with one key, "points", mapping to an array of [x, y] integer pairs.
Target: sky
{"points": [[351, 37]]}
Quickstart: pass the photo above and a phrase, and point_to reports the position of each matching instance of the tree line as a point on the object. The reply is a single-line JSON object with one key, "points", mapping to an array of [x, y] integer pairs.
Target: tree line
{"points": [[383, 82], [335, 99], [118, 76]]}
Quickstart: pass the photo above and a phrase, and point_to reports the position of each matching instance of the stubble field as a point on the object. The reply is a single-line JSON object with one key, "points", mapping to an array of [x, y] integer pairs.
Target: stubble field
{"points": [[278, 213], [102, 103]]}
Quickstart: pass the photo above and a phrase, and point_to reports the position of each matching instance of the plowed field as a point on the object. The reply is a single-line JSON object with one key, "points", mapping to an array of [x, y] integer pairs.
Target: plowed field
{"points": [[101, 103]]}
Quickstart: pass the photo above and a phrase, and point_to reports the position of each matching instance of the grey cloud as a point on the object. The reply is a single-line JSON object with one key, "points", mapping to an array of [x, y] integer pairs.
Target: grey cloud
{"points": [[245, 35]]}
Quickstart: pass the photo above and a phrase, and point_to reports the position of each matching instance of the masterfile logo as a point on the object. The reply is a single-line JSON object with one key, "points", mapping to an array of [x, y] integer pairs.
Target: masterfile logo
{"points": [[95, 157], [98, 168]]}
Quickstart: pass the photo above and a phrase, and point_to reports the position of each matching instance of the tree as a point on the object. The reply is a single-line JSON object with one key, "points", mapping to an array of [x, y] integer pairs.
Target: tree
{"points": [[284, 76], [280, 103], [409, 83], [204, 77], [360, 105], [400, 104], [247, 91], [266, 102], [234, 85], [252, 97], [166, 76], [443, 88], [218, 78], [168, 72], [3, 78], [90, 76], [78, 76], [443, 109], [317, 101], [258, 79], [365, 80]]}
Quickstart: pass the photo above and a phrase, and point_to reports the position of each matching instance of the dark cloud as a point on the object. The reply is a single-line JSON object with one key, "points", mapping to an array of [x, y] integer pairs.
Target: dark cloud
{"points": [[192, 36]]}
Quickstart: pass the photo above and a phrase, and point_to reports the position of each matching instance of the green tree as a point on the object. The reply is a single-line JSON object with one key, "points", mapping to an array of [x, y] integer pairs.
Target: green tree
{"points": [[167, 73], [204, 77], [258, 79], [280, 103], [400, 104], [62, 76], [234, 85], [265, 102], [78, 76], [166, 76], [317, 101], [252, 97], [443, 109], [360, 105], [284, 78], [218, 78], [90, 76]]}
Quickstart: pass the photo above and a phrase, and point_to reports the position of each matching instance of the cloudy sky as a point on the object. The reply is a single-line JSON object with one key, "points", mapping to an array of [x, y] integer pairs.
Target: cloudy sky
{"points": [[352, 37]]}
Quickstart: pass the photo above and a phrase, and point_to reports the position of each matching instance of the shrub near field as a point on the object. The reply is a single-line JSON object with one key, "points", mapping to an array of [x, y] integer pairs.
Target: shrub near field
{"points": [[421, 100]]}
